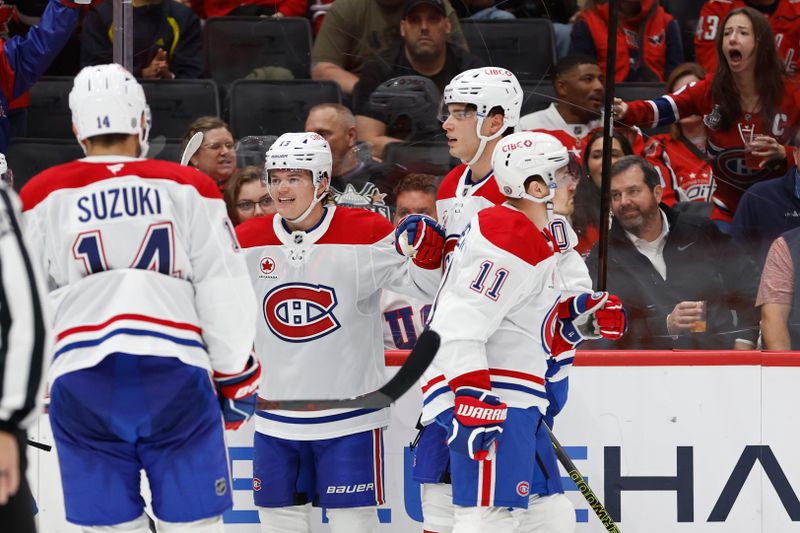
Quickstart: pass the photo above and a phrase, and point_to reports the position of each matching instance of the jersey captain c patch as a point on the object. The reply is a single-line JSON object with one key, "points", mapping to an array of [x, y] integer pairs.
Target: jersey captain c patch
{"points": [[300, 312]]}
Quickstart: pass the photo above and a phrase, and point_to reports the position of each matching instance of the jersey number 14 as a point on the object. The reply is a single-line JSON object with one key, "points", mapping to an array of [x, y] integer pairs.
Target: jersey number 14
{"points": [[156, 251]]}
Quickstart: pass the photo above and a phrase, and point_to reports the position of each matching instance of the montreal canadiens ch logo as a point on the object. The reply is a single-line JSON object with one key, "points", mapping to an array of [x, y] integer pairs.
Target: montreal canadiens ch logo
{"points": [[549, 328], [300, 312]]}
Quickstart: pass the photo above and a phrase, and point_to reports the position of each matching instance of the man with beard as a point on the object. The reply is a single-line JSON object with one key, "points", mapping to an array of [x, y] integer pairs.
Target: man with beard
{"points": [[685, 284], [578, 84], [423, 51]]}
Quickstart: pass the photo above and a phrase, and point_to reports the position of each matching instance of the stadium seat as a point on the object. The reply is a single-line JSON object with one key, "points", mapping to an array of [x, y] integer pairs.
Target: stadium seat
{"points": [[237, 45], [524, 46], [49, 116], [275, 107], [686, 13], [174, 104], [27, 157], [434, 153], [537, 96]]}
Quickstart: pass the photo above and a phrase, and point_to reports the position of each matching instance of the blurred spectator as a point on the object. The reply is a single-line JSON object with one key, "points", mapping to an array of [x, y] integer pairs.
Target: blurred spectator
{"points": [[648, 40], [355, 182], [24, 59], [684, 284], [483, 9], [783, 17], [578, 83], [404, 318], [751, 110], [423, 51], [779, 294], [246, 195], [767, 210], [586, 217], [216, 156], [167, 39], [219, 8], [355, 31], [680, 155]]}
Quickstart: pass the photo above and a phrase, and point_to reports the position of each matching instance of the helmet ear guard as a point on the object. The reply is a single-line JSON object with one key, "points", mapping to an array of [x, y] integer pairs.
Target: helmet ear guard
{"points": [[520, 156]]}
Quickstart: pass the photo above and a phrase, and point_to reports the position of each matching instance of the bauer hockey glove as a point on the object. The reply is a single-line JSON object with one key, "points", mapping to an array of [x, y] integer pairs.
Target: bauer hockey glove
{"points": [[579, 319], [422, 239], [477, 423], [238, 393]]}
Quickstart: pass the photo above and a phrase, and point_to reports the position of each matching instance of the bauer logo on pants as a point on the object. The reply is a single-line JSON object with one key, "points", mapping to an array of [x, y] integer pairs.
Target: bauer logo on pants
{"points": [[300, 312]]}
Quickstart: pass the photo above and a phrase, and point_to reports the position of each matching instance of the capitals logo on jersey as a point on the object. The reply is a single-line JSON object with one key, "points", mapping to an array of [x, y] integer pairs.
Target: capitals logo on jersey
{"points": [[301, 312]]}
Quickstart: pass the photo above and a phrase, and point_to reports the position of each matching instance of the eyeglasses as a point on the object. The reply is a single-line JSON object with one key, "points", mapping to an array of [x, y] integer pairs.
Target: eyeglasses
{"points": [[459, 114], [216, 147], [249, 205]]}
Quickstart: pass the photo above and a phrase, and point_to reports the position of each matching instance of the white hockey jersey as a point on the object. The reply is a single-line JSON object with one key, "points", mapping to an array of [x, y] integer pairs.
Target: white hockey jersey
{"points": [[497, 307], [142, 259], [319, 327]]}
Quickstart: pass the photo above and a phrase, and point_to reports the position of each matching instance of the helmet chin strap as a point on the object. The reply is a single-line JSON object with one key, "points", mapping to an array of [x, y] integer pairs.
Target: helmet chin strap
{"points": [[315, 201], [484, 140]]}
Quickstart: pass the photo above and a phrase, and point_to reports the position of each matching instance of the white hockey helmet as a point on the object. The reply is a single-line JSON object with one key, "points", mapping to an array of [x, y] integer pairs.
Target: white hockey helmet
{"points": [[108, 99], [521, 155], [5, 173], [302, 151], [485, 88]]}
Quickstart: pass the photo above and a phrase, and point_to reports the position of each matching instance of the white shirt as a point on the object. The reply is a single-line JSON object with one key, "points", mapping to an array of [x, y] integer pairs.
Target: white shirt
{"points": [[654, 250], [550, 119]]}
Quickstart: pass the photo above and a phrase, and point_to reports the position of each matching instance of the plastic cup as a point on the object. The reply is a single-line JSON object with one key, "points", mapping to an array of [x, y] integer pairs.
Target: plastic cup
{"points": [[700, 325]]}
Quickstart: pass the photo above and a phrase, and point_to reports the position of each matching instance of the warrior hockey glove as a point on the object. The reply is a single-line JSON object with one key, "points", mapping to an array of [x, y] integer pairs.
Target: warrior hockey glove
{"points": [[421, 238], [477, 422], [238, 393], [578, 320]]}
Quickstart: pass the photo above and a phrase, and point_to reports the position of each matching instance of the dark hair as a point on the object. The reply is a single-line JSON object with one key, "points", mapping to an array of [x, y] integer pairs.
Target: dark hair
{"points": [[684, 69], [234, 187], [569, 62], [108, 139], [426, 183], [203, 124], [768, 72], [587, 194], [651, 177]]}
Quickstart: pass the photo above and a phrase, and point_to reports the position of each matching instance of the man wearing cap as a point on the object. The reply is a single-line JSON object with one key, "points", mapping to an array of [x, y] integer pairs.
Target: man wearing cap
{"points": [[423, 51]]}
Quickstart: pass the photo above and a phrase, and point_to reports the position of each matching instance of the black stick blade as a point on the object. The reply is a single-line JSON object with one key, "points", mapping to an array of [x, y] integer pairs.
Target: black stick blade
{"points": [[418, 361]]}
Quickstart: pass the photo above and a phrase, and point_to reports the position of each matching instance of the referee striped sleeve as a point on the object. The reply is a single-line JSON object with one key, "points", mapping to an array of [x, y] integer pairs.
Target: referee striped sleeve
{"points": [[24, 329]]}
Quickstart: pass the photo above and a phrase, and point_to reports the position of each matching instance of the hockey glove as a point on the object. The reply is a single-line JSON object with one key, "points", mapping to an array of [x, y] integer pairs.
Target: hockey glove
{"points": [[477, 423], [238, 393], [578, 320], [422, 239]]}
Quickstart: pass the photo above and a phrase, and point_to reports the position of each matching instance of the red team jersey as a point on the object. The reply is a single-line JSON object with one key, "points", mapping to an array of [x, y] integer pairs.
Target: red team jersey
{"points": [[785, 22], [684, 166], [725, 147]]}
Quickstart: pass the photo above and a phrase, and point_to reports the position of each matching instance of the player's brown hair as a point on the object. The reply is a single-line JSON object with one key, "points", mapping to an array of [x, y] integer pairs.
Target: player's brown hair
{"points": [[426, 183], [768, 74]]}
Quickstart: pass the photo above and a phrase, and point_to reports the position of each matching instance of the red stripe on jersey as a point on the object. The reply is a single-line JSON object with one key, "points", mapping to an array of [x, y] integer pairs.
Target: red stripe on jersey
{"points": [[376, 433], [487, 468], [431, 383], [257, 231], [352, 225], [452, 181], [141, 318], [7, 75], [79, 174], [514, 374], [510, 230]]}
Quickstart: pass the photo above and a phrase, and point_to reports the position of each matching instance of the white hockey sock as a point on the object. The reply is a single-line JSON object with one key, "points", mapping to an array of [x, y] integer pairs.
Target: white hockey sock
{"points": [[353, 520], [483, 519], [293, 519], [553, 513], [437, 507], [137, 525], [207, 525]]}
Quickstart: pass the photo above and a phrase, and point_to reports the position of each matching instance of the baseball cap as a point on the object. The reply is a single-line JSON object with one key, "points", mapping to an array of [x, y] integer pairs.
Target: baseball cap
{"points": [[411, 4]]}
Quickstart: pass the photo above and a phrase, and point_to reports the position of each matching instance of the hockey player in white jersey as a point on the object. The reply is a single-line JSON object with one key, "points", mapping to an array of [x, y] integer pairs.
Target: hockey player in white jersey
{"points": [[500, 316], [151, 302], [318, 272]]}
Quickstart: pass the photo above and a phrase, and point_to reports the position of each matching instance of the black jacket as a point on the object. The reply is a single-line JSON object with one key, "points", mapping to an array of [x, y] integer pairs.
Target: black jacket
{"points": [[168, 25], [702, 264]]}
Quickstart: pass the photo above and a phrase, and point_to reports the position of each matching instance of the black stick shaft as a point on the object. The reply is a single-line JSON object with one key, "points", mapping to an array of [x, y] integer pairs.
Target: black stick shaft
{"points": [[608, 131], [586, 490]]}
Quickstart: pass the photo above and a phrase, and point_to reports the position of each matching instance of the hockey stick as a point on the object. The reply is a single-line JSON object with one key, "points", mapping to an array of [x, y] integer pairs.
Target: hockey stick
{"points": [[421, 356], [191, 147], [586, 490]]}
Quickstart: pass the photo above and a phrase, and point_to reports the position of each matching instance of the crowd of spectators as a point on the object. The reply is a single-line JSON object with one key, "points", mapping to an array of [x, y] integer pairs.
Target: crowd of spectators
{"points": [[707, 206]]}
